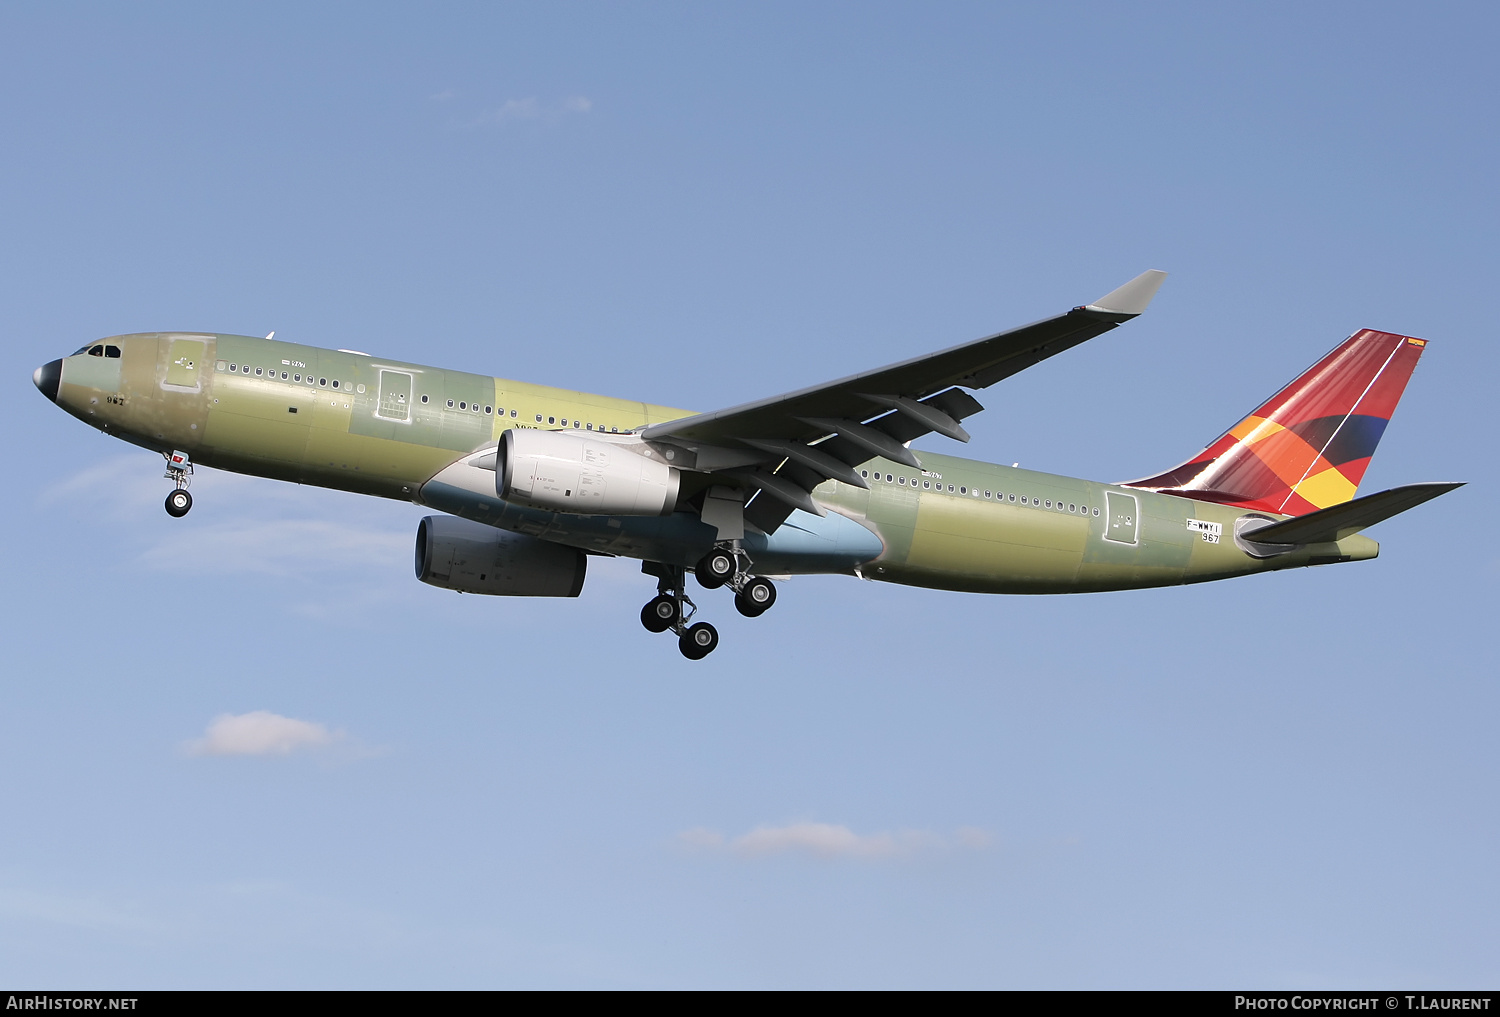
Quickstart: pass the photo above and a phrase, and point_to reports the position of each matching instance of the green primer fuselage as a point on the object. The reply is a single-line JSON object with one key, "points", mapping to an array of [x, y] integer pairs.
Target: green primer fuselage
{"points": [[358, 423]]}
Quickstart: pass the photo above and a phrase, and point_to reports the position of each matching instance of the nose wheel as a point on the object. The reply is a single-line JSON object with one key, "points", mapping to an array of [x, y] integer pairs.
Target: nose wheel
{"points": [[178, 503], [180, 473]]}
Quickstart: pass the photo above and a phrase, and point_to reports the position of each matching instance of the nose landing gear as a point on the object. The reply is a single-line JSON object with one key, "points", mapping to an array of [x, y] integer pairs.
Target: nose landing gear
{"points": [[180, 473]]}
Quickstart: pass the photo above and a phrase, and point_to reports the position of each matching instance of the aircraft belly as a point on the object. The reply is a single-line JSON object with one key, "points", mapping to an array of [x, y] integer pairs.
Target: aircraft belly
{"points": [[810, 544]]}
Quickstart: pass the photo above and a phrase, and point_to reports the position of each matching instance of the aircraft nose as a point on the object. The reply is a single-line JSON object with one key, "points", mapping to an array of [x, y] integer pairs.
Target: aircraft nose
{"points": [[47, 378]]}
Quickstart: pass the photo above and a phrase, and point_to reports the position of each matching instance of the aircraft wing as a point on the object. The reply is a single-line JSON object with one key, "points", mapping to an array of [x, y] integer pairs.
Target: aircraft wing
{"points": [[788, 444]]}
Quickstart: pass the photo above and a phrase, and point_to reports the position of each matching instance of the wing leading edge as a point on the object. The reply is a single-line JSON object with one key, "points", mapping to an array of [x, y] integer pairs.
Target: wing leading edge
{"points": [[787, 445]]}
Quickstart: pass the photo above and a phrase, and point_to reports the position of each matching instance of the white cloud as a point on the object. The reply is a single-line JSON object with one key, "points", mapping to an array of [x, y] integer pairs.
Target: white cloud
{"points": [[532, 108], [260, 733], [829, 840]]}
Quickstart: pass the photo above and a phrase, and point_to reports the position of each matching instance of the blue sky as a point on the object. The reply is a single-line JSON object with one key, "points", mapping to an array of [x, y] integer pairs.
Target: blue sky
{"points": [[1286, 780]]}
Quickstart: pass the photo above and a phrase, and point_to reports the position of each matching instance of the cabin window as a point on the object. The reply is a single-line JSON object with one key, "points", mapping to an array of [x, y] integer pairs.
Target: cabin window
{"points": [[487, 410], [257, 372], [461, 405], [889, 479], [589, 426], [864, 473], [538, 418], [335, 381], [576, 424], [1071, 508], [283, 376], [295, 377], [424, 399], [614, 430], [220, 366], [1096, 510], [450, 404], [963, 490], [232, 367], [901, 481], [986, 494], [360, 389], [926, 484], [322, 382], [550, 420], [512, 413]]}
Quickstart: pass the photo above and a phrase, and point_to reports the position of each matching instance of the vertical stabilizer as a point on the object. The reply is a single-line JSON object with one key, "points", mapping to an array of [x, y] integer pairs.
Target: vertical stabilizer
{"points": [[1308, 446]]}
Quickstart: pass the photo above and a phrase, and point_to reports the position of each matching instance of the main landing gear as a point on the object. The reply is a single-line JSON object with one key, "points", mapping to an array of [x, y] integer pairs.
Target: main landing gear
{"points": [[180, 473], [672, 609]]}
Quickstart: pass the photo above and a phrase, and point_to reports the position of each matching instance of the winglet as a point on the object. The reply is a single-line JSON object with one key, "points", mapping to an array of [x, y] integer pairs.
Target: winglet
{"points": [[1133, 297]]}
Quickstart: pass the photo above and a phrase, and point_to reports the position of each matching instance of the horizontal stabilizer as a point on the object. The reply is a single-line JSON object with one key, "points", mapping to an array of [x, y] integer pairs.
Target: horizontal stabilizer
{"points": [[1349, 518]]}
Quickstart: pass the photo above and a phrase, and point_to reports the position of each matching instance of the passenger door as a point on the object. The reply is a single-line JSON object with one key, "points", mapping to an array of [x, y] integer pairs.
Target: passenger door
{"points": [[1123, 517]]}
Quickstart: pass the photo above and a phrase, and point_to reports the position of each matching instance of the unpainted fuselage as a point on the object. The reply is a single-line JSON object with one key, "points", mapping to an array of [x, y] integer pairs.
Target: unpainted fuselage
{"points": [[358, 423]]}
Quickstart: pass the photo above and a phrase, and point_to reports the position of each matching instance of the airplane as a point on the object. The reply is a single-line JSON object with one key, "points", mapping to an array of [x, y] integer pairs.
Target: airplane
{"points": [[531, 480]]}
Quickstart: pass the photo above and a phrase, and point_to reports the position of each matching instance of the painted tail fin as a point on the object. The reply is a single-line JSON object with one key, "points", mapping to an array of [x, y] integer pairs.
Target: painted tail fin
{"points": [[1308, 446]]}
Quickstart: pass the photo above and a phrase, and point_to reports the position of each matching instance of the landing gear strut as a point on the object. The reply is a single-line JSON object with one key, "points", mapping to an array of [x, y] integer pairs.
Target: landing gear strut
{"points": [[180, 473]]}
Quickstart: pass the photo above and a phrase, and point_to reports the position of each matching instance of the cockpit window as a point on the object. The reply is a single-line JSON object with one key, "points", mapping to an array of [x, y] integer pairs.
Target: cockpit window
{"points": [[113, 352], [96, 351]]}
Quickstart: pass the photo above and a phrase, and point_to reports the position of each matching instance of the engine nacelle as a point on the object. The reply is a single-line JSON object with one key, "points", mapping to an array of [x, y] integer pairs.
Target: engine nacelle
{"points": [[457, 554], [570, 473]]}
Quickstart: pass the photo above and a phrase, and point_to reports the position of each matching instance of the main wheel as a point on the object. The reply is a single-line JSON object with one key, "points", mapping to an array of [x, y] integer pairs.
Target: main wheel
{"points": [[716, 569], [755, 597], [178, 503], [660, 614], [698, 641]]}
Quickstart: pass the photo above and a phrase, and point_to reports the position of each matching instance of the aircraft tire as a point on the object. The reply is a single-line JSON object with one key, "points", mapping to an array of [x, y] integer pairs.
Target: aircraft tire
{"points": [[178, 503], [756, 598], [660, 614], [698, 641], [715, 569]]}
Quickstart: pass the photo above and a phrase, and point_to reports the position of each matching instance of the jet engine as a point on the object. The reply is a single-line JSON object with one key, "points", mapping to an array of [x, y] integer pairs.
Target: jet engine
{"points": [[570, 473], [456, 554]]}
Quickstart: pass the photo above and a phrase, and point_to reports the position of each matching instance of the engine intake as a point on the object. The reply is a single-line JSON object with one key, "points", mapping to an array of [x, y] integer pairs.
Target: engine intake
{"points": [[570, 473], [457, 554]]}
